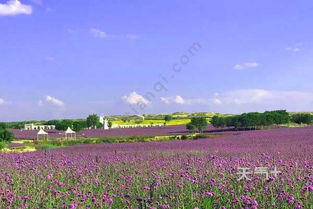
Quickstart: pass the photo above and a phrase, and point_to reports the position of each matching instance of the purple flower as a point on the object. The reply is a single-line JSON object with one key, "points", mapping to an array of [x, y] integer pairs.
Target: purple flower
{"points": [[210, 194], [109, 201], [165, 206], [146, 188], [180, 184]]}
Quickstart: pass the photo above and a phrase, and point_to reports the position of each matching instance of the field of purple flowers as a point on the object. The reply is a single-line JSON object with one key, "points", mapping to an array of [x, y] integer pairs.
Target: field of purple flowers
{"points": [[177, 174], [118, 132]]}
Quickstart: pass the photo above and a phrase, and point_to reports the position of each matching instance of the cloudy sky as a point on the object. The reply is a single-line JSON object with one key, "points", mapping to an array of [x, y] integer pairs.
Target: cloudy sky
{"points": [[67, 59]]}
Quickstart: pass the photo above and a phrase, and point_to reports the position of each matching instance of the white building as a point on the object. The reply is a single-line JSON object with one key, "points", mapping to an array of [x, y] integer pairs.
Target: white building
{"points": [[38, 127], [105, 122]]}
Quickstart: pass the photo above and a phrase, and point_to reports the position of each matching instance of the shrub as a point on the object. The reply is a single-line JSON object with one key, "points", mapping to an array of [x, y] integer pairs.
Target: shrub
{"points": [[184, 137], [203, 136], [3, 145], [168, 118], [190, 127], [199, 123], [302, 118], [5, 135]]}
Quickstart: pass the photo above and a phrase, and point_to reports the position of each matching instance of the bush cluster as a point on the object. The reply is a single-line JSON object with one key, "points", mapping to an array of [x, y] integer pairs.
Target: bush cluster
{"points": [[253, 120], [302, 118], [5, 136]]}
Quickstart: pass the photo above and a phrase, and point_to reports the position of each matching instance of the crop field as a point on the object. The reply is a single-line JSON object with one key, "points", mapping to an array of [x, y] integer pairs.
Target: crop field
{"points": [[179, 174], [149, 122], [148, 131]]}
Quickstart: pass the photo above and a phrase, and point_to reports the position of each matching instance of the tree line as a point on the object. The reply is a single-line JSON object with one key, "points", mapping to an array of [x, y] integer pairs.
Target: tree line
{"points": [[255, 120], [92, 122]]}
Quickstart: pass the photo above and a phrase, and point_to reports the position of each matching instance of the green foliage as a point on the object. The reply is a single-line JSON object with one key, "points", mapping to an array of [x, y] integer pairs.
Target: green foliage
{"points": [[3, 145], [99, 125], [5, 135], [168, 118], [184, 137], [46, 146], [252, 120], [92, 121], [219, 121], [64, 124], [79, 125], [199, 123], [3, 126], [110, 124], [302, 118], [190, 127]]}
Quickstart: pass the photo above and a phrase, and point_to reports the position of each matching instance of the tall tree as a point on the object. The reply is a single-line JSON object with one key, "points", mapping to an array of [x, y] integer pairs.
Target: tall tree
{"points": [[64, 124], [5, 135], [3, 126], [92, 121], [168, 118], [199, 123], [79, 125]]}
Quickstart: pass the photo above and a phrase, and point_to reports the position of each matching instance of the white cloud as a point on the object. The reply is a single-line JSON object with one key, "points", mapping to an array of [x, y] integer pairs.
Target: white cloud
{"points": [[14, 7], [182, 101], [293, 49], [135, 98], [166, 100], [246, 100], [246, 65], [179, 100], [216, 101], [246, 96], [54, 101], [260, 99], [2, 101], [176, 100], [98, 33]]}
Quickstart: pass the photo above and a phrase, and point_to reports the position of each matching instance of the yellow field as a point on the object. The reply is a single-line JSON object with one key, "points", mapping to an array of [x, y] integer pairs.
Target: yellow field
{"points": [[148, 122]]}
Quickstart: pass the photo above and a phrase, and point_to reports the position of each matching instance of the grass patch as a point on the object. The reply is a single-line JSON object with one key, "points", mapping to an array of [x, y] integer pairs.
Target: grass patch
{"points": [[46, 146], [33, 145]]}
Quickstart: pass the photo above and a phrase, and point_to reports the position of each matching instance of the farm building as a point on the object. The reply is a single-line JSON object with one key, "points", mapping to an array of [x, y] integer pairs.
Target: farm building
{"points": [[38, 127]]}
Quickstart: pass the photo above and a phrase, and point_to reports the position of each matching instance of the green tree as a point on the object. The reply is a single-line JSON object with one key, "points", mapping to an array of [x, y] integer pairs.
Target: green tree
{"points": [[79, 125], [300, 118], [5, 135], [3, 126], [190, 127], [64, 124], [93, 121], [110, 124], [199, 123], [218, 122], [168, 118]]}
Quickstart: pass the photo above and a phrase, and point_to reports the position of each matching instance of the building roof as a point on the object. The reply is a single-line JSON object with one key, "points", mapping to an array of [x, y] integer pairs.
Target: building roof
{"points": [[69, 131], [42, 132]]}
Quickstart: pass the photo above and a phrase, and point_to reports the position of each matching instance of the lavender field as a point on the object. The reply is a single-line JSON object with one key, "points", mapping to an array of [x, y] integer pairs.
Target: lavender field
{"points": [[118, 132], [178, 174]]}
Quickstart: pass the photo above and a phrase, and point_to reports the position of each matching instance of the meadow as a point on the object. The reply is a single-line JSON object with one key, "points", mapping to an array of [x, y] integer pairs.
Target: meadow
{"points": [[174, 174]]}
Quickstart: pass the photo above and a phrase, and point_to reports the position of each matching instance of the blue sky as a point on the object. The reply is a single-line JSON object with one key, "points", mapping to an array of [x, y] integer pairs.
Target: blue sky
{"points": [[67, 59]]}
